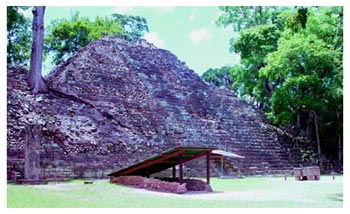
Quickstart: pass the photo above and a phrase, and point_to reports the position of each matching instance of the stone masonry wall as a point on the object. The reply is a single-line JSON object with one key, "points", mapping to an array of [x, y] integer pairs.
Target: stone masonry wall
{"points": [[123, 102]]}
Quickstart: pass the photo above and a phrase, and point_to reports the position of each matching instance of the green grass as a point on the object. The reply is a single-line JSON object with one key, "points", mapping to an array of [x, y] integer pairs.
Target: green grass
{"points": [[247, 192]]}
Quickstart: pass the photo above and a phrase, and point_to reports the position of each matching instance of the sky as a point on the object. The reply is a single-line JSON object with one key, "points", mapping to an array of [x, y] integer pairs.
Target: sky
{"points": [[188, 32]]}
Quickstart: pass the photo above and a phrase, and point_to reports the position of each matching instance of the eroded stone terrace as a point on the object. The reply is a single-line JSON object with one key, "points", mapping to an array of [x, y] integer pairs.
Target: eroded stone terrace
{"points": [[154, 102]]}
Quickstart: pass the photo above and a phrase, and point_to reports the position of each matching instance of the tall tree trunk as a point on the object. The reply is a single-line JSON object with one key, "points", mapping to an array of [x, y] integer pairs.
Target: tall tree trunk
{"points": [[317, 134], [340, 150], [9, 48], [309, 126], [298, 126], [35, 80]]}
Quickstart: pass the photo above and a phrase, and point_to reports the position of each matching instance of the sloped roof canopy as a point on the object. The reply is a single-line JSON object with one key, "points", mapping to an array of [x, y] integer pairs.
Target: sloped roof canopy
{"points": [[163, 161], [227, 154]]}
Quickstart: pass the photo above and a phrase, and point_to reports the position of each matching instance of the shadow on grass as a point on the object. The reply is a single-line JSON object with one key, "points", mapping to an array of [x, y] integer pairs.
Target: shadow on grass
{"points": [[336, 197], [201, 192]]}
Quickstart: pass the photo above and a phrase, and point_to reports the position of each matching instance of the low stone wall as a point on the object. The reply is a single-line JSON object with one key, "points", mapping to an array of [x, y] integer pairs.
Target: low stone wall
{"points": [[307, 173], [197, 185], [191, 184], [162, 184], [150, 184]]}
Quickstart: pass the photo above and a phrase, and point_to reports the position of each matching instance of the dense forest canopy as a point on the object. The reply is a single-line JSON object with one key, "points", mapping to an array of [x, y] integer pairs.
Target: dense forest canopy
{"points": [[291, 67]]}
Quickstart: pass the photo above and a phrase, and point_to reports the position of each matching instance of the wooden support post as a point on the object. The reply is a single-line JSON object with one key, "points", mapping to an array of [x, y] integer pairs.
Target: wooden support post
{"points": [[222, 165], [208, 167], [239, 168], [181, 168], [174, 172], [147, 172]]}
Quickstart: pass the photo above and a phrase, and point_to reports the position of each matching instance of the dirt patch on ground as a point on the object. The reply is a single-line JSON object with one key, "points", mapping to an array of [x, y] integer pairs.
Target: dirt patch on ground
{"points": [[60, 186]]}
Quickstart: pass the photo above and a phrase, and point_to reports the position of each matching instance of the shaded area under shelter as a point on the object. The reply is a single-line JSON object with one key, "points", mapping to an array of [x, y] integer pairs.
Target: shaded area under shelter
{"points": [[226, 168], [168, 159]]}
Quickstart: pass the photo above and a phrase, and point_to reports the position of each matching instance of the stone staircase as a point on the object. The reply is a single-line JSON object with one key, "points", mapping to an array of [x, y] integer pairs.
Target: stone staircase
{"points": [[156, 103]]}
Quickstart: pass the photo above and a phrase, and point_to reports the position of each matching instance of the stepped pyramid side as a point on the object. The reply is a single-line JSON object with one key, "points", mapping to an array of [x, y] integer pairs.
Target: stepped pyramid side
{"points": [[131, 101]]}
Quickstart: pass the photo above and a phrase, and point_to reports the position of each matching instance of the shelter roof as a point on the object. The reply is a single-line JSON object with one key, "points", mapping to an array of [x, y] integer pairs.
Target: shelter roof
{"points": [[163, 161], [227, 154]]}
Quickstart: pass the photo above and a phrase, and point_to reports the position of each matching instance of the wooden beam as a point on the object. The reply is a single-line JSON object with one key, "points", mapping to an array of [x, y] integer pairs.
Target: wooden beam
{"points": [[150, 162], [174, 162], [163, 159], [222, 165], [174, 172], [181, 168], [208, 166], [187, 155], [195, 156]]}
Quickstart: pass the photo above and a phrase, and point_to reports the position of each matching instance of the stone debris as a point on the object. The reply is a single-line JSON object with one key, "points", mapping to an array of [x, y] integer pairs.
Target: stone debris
{"points": [[150, 184], [124, 102]]}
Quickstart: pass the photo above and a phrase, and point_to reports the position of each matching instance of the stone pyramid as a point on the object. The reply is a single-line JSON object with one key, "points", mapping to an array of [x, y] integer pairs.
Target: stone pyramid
{"points": [[116, 103]]}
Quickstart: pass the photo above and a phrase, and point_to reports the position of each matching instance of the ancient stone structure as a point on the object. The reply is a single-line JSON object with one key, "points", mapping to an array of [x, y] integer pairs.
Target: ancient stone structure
{"points": [[32, 152], [115, 103], [307, 173], [151, 184]]}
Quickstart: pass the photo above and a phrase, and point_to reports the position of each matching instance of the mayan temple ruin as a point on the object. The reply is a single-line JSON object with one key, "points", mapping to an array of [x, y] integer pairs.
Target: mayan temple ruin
{"points": [[115, 103]]}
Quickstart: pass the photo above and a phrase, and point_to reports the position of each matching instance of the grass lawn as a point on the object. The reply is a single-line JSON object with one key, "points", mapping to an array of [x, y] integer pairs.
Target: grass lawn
{"points": [[248, 192]]}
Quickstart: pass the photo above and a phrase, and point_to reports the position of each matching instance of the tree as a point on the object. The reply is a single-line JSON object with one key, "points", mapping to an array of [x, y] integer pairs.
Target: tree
{"points": [[66, 37], [18, 36], [35, 80], [244, 17], [134, 27], [308, 68], [253, 45], [219, 77], [259, 30], [292, 64]]}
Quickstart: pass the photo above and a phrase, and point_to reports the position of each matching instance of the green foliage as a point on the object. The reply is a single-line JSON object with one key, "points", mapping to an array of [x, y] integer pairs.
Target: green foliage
{"points": [[219, 76], [296, 19], [309, 72], [327, 23], [259, 30], [292, 63], [244, 17], [65, 37], [253, 45], [133, 27], [18, 36], [307, 156]]}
